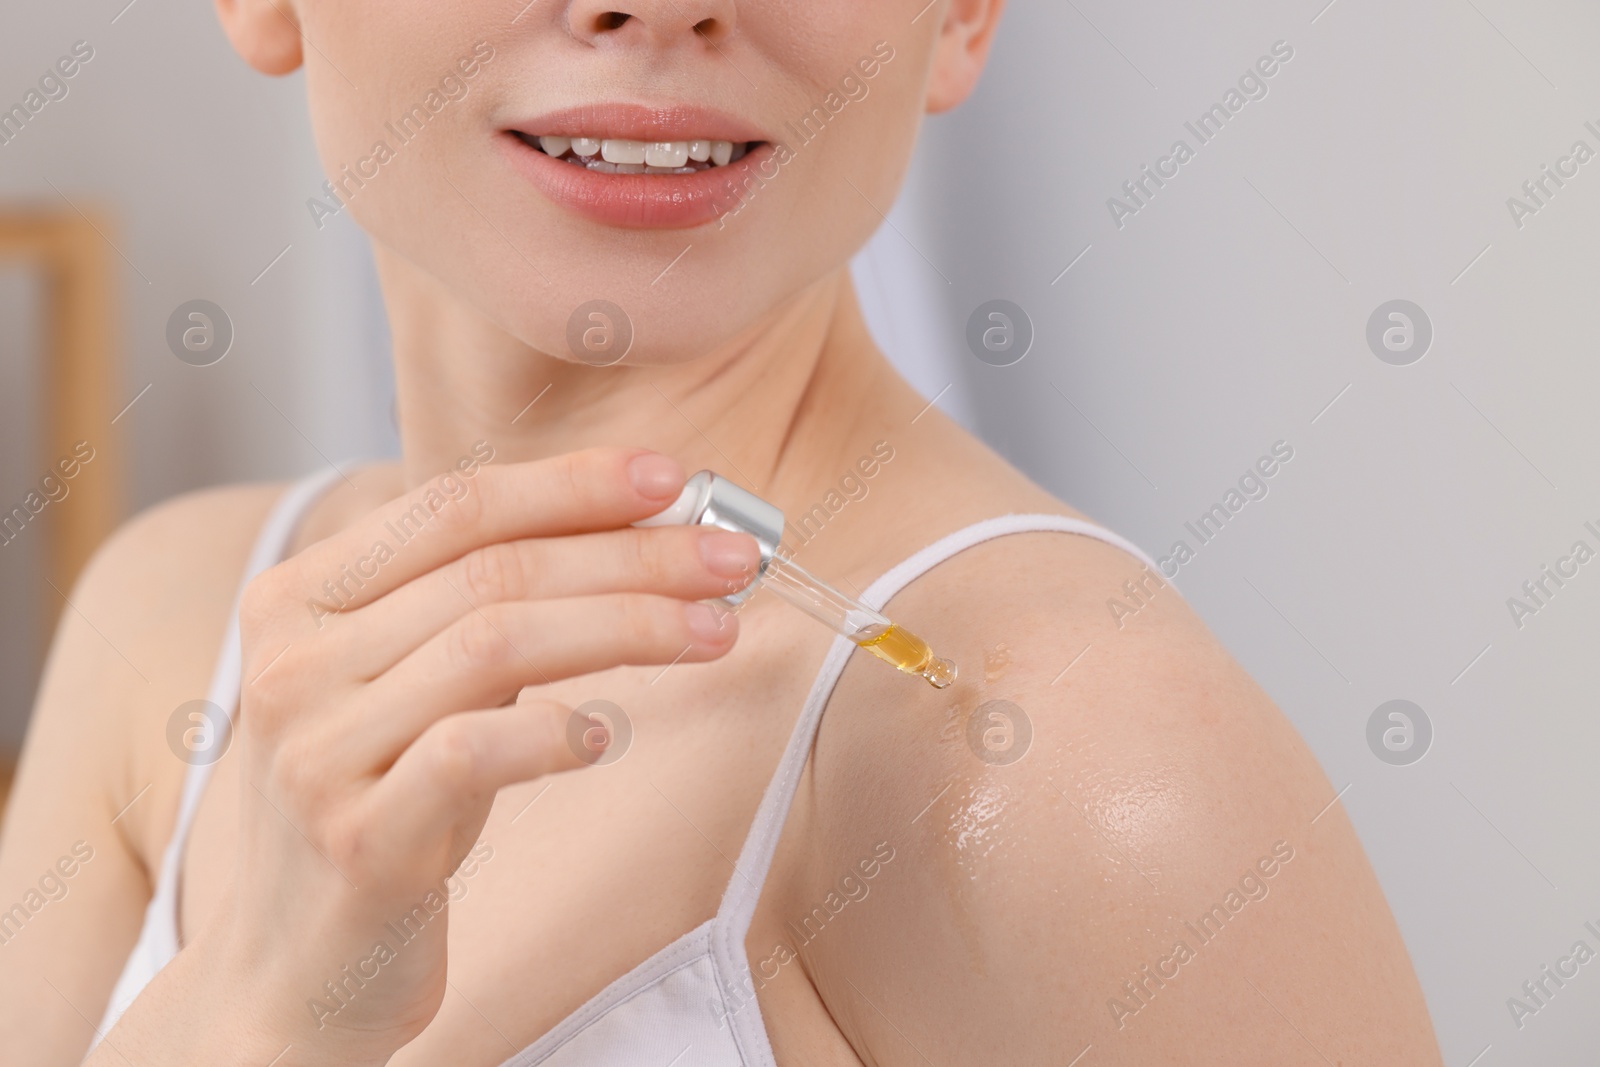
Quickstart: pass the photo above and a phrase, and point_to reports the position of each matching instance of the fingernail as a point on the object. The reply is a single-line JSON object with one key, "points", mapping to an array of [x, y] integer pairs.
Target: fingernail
{"points": [[704, 623], [728, 554], [655, 475]]}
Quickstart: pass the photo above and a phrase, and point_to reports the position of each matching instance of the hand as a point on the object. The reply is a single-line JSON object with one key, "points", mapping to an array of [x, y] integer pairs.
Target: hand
{"points": [[375, 733]]}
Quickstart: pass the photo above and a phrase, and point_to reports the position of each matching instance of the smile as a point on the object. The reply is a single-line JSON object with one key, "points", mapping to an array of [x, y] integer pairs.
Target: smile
{"points": [[618, 155], [635, 167]]}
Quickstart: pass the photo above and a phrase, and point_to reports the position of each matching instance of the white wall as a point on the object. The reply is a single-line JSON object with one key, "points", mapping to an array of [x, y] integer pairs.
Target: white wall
{"points": [[205, 166], [1228, 312]]}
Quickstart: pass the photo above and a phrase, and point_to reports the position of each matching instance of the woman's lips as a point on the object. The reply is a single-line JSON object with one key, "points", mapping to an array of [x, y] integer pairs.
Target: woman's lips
{"points": [[637, 201]]}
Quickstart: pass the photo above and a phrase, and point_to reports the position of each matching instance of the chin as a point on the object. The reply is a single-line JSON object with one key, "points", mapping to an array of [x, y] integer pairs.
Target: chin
{"points": [[574, 282]]}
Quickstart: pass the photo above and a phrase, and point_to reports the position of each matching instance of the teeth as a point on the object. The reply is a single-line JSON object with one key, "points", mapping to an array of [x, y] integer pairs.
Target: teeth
{"points": [[618, 155], [616, 150], [668, 154]]}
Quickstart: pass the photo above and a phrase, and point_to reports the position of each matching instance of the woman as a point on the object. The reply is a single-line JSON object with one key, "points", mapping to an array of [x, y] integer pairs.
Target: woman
{"points": [[404, 858]]}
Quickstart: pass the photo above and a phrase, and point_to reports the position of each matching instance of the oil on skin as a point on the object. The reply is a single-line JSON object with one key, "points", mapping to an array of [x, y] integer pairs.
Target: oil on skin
{"points": [[983, 823], [975, 819]]}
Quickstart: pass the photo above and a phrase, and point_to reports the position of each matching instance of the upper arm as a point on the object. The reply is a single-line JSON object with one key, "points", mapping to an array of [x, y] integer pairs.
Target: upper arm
{"points": [[96, 789], [1147, 878]]}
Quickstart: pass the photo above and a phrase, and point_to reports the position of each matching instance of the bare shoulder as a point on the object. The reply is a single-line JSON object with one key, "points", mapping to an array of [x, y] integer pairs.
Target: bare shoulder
{"points": [[97, 789], [138, 637], [1104, 833]]}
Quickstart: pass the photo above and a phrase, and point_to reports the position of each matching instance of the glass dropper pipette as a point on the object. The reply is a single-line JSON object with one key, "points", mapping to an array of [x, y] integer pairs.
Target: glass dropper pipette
{"points": [[890, 642], [709, 499]]}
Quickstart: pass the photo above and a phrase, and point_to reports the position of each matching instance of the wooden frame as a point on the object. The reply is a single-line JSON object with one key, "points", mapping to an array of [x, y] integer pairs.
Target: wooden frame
{"points": [[74, 258]]}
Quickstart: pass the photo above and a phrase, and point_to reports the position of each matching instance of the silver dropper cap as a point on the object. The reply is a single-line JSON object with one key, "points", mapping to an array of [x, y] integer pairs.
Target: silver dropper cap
{"points": [[708, 499]]}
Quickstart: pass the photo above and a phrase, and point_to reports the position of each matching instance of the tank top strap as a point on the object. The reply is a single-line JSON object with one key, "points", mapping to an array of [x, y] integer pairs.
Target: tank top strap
{"points": [[738, 905], [269, 548]]}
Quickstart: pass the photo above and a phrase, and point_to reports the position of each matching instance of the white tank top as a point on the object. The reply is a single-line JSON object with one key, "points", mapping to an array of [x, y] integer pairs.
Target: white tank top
{"points": [[692, 1002]]}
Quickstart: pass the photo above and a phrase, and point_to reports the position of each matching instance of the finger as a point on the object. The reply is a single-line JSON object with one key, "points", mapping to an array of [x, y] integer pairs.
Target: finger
{"points": [[458, 763], [686, 562], [595, 489], [493, 652]]}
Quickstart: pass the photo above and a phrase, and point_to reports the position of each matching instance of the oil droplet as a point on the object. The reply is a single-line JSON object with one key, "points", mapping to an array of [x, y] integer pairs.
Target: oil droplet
{"points": [[996, 662], [940, 672]]}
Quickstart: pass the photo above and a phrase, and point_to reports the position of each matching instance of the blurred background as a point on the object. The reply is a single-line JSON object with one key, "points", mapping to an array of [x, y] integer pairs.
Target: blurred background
{"points": [[1180, 330]]}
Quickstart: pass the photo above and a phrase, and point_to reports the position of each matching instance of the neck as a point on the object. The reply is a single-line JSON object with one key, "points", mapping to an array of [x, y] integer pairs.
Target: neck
{"points": [[782, 409]]}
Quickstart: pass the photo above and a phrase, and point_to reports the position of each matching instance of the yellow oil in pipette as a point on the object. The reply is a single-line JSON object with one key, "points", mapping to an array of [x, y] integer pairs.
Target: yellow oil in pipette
{"points": [[868, 628], [904, 650]]}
